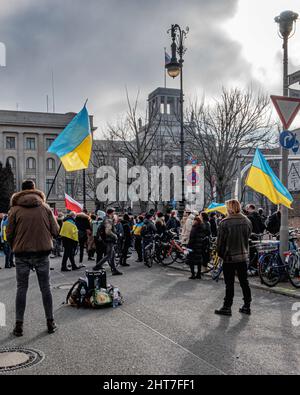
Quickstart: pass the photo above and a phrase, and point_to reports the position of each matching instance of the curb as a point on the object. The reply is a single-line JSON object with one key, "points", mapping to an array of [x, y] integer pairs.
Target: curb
{"points": [[292, 293]]}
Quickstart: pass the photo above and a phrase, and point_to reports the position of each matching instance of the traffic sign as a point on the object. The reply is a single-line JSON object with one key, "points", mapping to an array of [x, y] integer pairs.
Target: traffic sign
{"points": [[294, 93], [287, 109], [294, 78], [287, 139]]}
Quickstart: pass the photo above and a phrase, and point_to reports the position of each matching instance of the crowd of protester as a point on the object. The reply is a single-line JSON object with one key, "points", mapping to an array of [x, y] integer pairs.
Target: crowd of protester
{"points": [[30, 233]]}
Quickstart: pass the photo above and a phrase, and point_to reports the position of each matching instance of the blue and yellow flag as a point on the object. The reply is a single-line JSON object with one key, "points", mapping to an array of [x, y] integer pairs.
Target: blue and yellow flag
{"points": [[74, 144], [262, 179], [220, 207]]}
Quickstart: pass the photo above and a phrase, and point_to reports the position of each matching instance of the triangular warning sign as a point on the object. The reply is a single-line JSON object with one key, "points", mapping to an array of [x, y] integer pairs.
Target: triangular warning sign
{"points": [[287, 109]]}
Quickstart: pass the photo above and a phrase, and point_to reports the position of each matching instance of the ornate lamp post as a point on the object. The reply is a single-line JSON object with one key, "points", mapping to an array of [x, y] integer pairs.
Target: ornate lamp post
{"points": [[286, 23], [174, 69]]}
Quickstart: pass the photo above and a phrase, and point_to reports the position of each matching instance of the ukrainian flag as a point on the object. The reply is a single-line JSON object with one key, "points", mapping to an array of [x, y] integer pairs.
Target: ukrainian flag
{"points": [[220, 207], [262, 179], [74, 144]]}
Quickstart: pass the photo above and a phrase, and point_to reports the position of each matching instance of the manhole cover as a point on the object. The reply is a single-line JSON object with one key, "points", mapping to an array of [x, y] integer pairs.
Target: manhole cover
{"points": [[18, 358]]}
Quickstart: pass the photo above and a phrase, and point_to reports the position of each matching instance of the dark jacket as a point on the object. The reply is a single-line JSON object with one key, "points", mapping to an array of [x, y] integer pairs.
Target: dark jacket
{"points": [[233, 238], [274, 223], [258, 225], [160, 226], [199, 244], [173, 224], [149, 229], [127, 232], [31, 224], [83, 224], [213, 226], [107, 231]]}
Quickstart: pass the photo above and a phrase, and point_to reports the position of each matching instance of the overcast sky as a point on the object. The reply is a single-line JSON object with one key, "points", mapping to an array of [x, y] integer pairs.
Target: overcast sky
{"points": [[97, 47]]}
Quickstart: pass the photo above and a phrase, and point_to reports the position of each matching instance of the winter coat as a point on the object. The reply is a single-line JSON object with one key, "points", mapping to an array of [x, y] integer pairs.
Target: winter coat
{"points": [[148, 229], [173, 224], [127, 232], [258, 225], [187, 227], [233, 238], [213, 227], [31, 224], [199, 244], [107, 231], [83, 224], [160, 226]]}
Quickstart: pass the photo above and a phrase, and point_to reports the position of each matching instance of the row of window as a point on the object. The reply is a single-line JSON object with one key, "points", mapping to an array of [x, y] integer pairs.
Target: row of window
{"points": [[69, 186], [31, 163], [30, 143]]}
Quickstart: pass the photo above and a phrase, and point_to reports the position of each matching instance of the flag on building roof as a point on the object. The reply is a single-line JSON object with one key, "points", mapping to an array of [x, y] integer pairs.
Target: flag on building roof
{"points": [[262, 179], [74, 144], [220, 207], [72, 205]]}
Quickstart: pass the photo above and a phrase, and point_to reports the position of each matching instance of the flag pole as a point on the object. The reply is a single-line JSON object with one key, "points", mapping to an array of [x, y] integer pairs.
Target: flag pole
{"points": [[84, 190], [165, 70], [53, 181]]}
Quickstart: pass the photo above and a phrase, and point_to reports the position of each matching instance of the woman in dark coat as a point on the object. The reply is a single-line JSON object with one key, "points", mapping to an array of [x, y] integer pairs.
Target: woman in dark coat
{"points": [[199, 239]]}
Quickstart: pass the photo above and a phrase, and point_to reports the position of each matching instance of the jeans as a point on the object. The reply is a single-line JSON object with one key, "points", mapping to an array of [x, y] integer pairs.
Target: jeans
{"points": [[9, 255], [229, 270], [109, 257], [41, 266]]}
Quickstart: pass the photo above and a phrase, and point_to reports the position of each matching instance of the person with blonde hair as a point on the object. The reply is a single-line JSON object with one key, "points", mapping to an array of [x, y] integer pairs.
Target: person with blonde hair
{"points": [[233, 247]]}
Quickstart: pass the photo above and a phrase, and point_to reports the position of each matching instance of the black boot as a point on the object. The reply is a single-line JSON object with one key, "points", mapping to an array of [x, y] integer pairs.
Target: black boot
{"points": [[18, 329], [51, 326], [245, 309], [193, 277], [198, 276], [224, 311]]}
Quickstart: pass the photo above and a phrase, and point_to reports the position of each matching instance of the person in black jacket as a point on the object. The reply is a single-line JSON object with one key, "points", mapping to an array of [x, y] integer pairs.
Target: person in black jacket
{"points": [[233, 248], [258, 225], [197, 244], [83, 224], [126, 239], [213, 224]]}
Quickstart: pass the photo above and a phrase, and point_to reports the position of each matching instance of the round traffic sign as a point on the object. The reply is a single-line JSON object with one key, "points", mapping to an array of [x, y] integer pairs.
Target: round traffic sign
{"points": [[287, 139]]}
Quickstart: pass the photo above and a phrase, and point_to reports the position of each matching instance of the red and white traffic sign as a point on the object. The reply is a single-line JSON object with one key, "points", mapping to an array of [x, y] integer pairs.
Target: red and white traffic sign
{"points": [[287, 109]]}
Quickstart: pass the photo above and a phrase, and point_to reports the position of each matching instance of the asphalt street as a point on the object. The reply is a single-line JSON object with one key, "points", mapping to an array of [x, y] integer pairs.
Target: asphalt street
{"points": [[166, 326]]}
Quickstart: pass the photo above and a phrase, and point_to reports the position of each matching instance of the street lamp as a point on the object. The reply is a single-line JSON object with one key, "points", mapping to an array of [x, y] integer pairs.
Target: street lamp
{"points": [[174, 69], [286, 23]]}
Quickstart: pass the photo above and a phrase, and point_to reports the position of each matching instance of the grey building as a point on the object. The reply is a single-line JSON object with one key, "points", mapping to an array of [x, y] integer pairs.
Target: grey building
{"points": [[24, 140]]}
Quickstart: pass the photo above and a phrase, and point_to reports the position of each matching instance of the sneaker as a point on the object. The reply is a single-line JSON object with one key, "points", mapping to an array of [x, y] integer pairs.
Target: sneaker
{"points": [[18, 329], [91, 259], [224, 311], [51, 325], [124, 264], [245, 310], [76, 267], [66, 269], [117, 273]]}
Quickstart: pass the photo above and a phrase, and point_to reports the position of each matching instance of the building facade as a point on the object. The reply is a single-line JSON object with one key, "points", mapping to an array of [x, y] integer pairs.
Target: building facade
{"points": [[24, 140]]}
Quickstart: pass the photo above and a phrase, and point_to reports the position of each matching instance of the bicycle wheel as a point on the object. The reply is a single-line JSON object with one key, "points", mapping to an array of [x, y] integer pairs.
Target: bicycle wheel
{"points": [[178, 256], [268, 269], [148, 258], [167, 256], [293, 269]]}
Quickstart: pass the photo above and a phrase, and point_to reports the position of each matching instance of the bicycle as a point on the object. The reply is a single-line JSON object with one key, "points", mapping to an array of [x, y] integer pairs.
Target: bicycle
{"points": [[148, 253], [272, 268]]}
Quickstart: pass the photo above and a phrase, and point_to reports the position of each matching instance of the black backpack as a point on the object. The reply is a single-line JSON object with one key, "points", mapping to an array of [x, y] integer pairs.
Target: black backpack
{"points": [[79, 295]]}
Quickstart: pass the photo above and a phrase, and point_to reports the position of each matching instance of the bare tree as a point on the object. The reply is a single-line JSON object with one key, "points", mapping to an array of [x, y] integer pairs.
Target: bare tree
{"points": [[239, 120]]}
